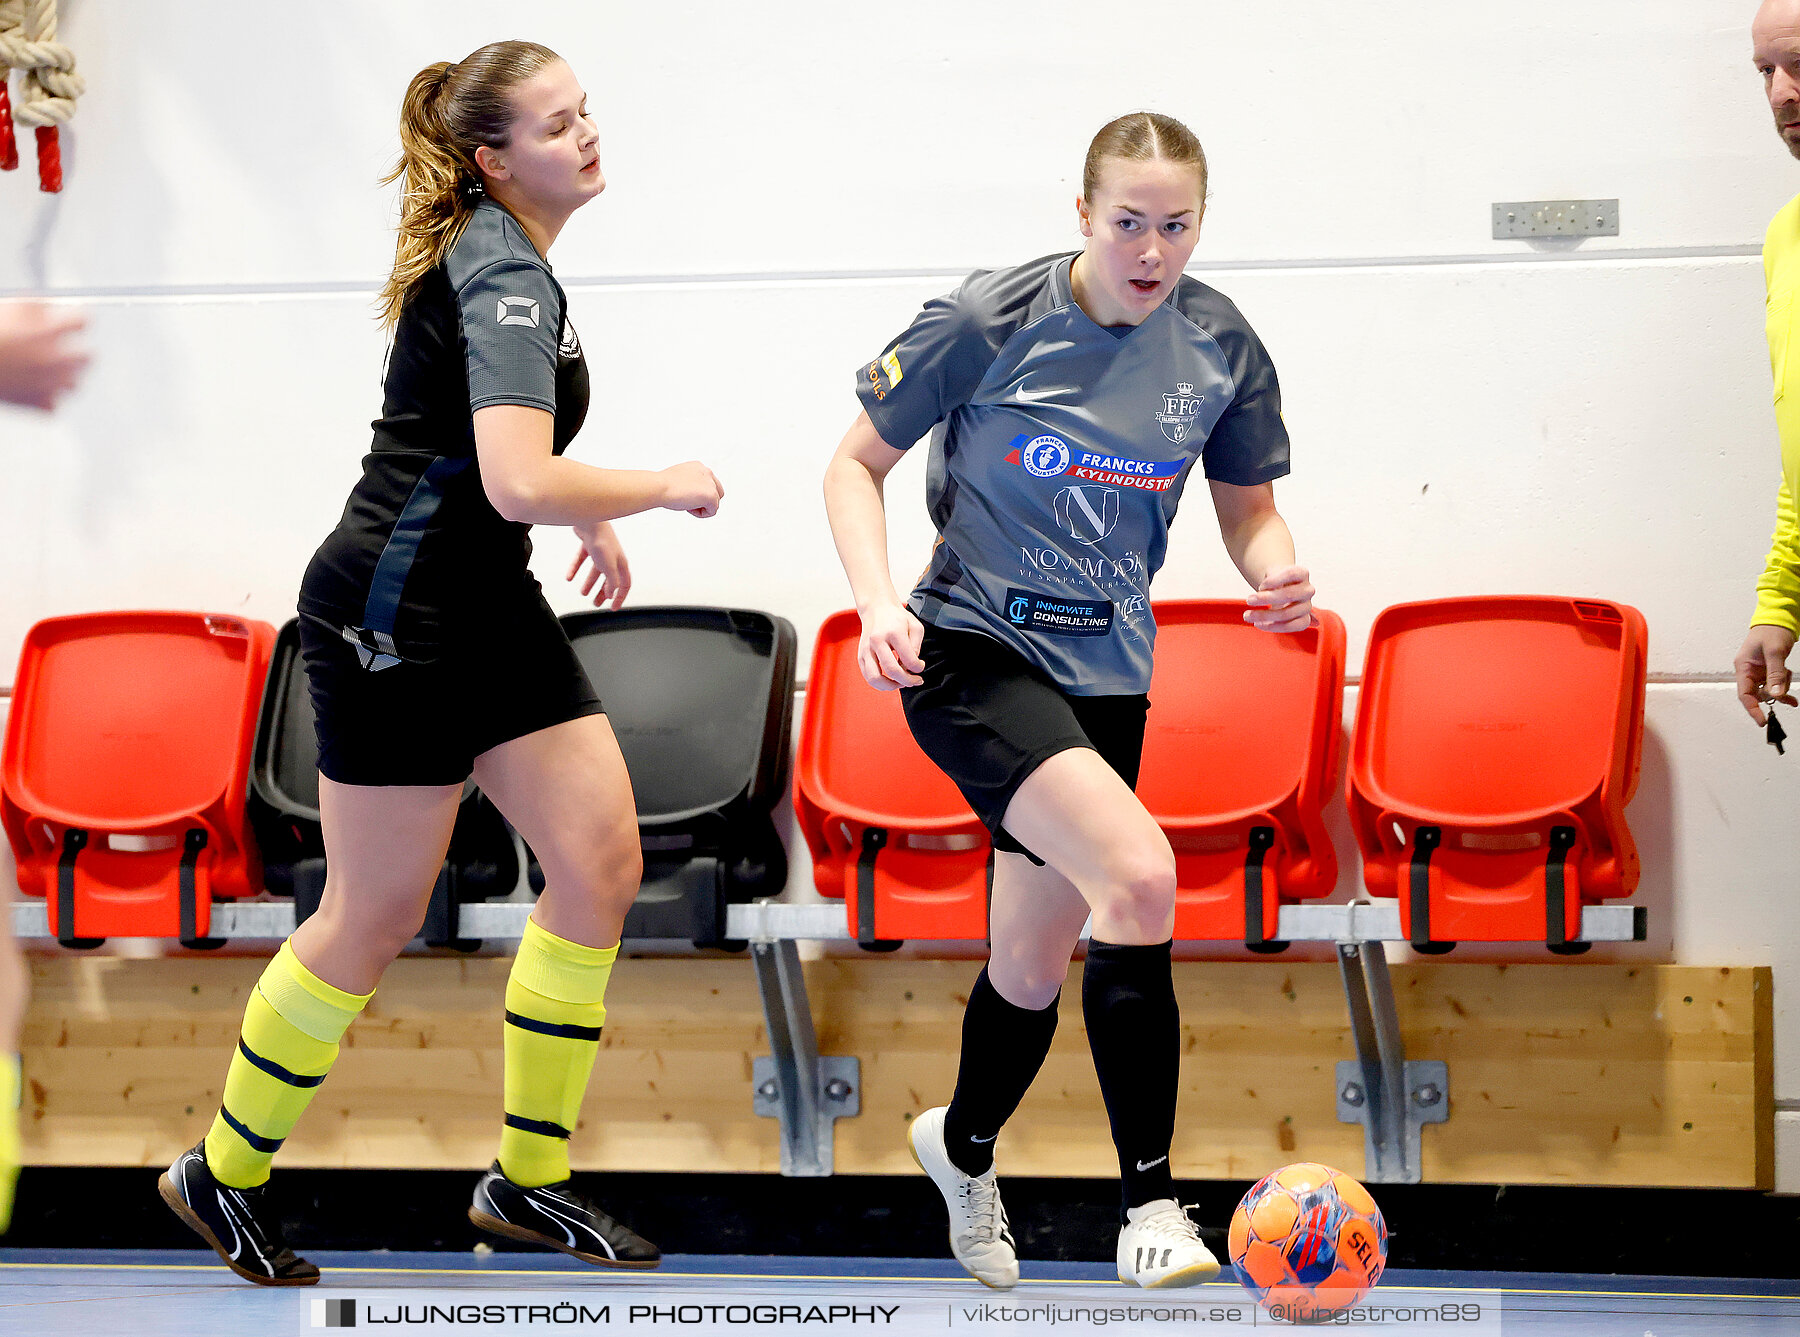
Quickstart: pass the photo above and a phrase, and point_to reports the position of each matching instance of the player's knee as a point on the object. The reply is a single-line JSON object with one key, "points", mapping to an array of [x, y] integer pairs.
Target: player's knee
{"points": [[1143, 886], [606, 867], [377, 940], [625, 869], [365, 921], [1027, 980]]}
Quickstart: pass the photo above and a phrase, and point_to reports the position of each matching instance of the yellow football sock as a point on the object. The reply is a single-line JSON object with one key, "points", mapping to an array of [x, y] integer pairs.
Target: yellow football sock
{"points": [[289, 1042], [9, 1134], [555, 1007]]}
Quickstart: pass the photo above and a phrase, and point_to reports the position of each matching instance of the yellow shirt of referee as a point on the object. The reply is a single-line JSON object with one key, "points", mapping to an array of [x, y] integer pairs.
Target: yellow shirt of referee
{"points": [[1761, 664]]}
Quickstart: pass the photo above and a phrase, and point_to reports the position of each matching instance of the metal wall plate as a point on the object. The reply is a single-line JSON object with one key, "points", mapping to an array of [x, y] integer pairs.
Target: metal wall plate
{"points": [[1392, 1151], [1556, 218], [832, 1091]]}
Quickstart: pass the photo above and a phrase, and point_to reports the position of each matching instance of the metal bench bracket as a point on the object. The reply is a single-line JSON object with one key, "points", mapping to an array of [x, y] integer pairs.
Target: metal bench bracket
{"points": [[807, 1093], [1390, 1097]]}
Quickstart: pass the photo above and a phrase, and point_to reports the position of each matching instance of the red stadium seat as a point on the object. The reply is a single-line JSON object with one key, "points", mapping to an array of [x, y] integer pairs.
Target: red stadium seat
{"points": [[125, 770], [1497, 743], [889, 834], [1240, 755]]}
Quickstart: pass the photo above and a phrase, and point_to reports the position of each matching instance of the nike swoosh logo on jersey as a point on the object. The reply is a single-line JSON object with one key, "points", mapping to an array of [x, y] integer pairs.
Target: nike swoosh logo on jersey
{"points": [[989, 1138], [1148, 1165]]}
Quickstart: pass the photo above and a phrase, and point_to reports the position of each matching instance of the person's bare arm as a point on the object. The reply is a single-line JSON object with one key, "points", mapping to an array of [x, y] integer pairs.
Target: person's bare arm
{"points": [[888, 653], [526, 482], [1259, 543]]}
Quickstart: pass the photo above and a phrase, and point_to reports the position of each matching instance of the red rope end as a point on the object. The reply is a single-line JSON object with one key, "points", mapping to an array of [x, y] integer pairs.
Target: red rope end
{"points": [[49, 159], [9, 147]]}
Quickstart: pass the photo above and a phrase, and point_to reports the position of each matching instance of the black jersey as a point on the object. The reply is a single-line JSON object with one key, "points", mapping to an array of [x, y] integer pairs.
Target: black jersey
{"points": [[421, 558]]}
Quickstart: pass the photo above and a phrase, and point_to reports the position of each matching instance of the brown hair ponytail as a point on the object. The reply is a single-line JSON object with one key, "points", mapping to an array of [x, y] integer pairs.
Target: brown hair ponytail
{"points": [[448, 112]]}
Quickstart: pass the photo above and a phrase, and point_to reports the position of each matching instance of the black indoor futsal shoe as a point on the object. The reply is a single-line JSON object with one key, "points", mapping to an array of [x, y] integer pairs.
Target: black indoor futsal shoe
{"points": [[558, 1218], [239, 1223]]}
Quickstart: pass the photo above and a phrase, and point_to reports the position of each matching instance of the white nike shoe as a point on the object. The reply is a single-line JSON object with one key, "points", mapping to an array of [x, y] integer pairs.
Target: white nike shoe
{"points": [[1161, 1247], [979, 1236]]}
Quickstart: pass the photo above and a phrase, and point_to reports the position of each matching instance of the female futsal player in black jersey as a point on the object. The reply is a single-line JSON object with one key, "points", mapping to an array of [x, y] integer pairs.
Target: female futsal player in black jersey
{"points": [[432, 655], [1071, 398]]}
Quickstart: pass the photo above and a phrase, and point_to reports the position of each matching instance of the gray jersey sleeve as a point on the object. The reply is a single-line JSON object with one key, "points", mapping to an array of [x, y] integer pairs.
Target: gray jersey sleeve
{"points": [[512, 319], [933, 368], [1249, 443]]}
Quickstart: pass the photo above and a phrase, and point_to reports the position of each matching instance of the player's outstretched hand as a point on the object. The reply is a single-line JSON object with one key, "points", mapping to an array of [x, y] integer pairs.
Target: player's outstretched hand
{"points": [[1283, 602], [691, 487], [604, 556], [39, 361], [1761, 668], [888, 651]]}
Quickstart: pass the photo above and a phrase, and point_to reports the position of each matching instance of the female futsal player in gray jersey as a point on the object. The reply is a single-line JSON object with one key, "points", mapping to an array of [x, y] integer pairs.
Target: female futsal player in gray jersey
{"points": [[1069, 401]]}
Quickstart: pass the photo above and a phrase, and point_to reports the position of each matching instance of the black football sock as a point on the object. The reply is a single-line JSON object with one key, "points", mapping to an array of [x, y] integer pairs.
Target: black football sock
{"points": [[1003, 1047], [1134, 1029]]}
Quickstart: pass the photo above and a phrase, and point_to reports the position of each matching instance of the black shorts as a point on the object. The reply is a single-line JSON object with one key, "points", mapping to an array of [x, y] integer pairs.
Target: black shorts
{"points": [[989, 718], [425, 723]]}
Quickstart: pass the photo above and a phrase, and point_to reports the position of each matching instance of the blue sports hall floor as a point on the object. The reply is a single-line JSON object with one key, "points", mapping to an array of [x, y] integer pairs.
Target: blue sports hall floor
{"points": [[51, 1292]]}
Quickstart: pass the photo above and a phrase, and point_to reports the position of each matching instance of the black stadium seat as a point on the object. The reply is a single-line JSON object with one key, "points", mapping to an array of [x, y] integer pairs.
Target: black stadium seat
{"points": [[702, 702]]}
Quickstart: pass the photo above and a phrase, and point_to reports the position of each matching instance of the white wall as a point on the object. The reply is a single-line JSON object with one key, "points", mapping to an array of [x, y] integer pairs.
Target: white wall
{"points": [[788, 182]]}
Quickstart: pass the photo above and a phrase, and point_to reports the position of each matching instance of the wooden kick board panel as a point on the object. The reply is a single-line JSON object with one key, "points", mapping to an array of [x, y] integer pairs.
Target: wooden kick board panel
{"points": [[1559, 1073]]}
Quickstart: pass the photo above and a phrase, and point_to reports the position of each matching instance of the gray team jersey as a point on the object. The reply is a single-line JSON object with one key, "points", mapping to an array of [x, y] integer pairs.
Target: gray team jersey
{"points": [[1059, 456]]}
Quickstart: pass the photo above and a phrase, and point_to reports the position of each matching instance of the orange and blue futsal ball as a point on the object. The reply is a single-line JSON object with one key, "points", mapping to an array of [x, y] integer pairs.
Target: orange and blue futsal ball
{"points": [[1308, 1242]]}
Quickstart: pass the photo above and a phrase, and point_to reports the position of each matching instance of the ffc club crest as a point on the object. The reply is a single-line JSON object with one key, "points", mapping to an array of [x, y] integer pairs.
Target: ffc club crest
{"points": [[1179, 409]]}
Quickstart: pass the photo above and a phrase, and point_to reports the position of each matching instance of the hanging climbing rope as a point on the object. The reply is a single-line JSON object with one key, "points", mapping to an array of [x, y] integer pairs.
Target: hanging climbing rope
{"points": [[47, 91]]}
